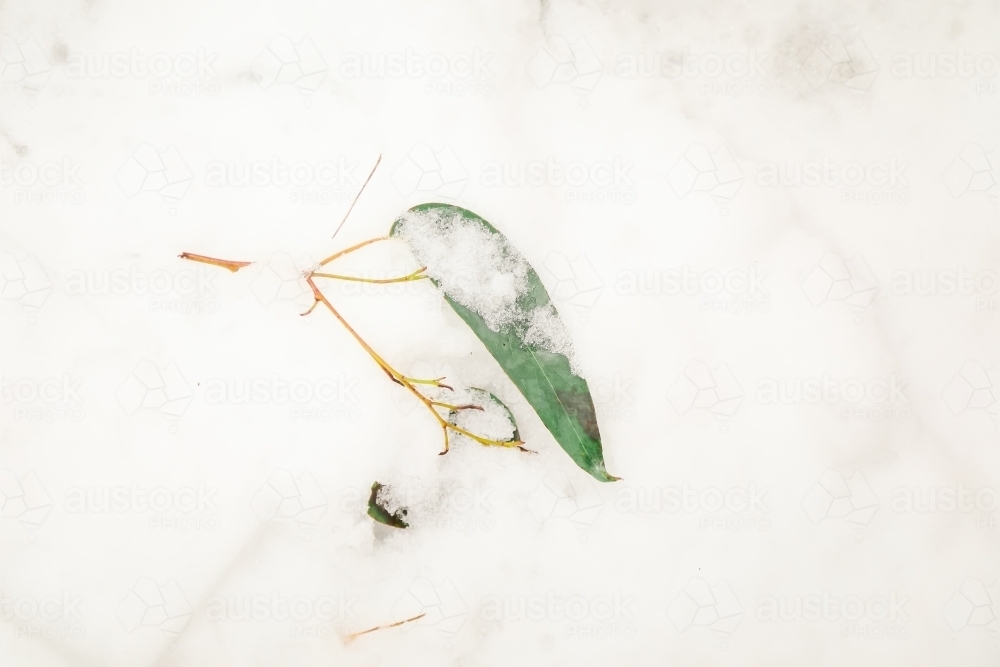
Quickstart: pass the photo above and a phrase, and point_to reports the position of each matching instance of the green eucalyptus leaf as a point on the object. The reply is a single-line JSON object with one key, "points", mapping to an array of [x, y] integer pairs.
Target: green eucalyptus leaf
{"points": [[560, 397], [378, 511]]}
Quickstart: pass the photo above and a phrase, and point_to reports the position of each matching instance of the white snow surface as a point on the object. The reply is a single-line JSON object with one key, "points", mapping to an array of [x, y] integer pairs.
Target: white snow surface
{"points": [[770, 227]]}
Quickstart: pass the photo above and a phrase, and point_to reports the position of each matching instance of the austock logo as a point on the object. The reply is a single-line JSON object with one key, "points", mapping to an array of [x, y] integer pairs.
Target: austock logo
{"points": [[980, 285], [835, 496], [44, 617], [149, 170], [309, 616], [306, 181], [574, 282], [982, 501], [324, 399], [827, 60], [584, 616], [283, 61], [425, 171], [589, 182], [876, 399], [734, 73], [718, 291], [285, 497], [974, 388], [560, 61], [461, 73], [23, 63], [738, 507], [50, 182], [280, 280], [23, 280], [880, 616], [47, 400], [713, 172], [167, 291], [411, 64], [24, 498], [438, 606], [944, 65], [834, 279], [149, 604], [700, 604], [873, 182], [701, 387], [975, 171], [190, 507], [151, 388], [64, 389], [182, 74], [560, 497], [971, 607]]}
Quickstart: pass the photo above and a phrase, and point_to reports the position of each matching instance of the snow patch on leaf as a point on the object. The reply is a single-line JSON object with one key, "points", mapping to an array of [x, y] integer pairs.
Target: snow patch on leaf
{"points": [[478, 268], [547, 331]]}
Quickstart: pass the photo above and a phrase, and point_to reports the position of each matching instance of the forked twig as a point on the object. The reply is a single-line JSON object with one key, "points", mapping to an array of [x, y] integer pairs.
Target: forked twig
{"points": [[397, 377]]}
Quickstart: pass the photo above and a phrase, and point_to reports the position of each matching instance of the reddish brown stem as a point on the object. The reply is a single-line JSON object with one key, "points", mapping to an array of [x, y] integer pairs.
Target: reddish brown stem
{"points": [[224, 263]]}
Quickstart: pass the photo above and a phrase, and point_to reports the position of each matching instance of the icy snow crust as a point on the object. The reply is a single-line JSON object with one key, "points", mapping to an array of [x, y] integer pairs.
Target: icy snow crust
{"points": [[546, 331], [482, 271]]}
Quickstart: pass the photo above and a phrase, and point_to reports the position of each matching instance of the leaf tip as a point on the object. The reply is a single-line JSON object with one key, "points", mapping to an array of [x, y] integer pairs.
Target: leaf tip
{"points": [[600, 473]]}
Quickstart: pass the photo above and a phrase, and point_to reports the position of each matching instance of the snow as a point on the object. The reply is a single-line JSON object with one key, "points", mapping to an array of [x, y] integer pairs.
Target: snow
{"points": [[482, 271], [767, 394], [389, 499], [547, 331], [492, 421]]}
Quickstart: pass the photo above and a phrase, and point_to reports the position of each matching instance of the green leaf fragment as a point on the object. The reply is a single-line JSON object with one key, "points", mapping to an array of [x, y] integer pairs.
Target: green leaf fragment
{"points": [[482, 397], [377, 509], [560, 397]]}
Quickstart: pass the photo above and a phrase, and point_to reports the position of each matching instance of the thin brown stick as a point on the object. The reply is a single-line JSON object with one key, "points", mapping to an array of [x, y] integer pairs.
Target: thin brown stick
{"points": [[358, 196], [354, 636]]}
